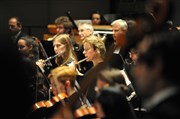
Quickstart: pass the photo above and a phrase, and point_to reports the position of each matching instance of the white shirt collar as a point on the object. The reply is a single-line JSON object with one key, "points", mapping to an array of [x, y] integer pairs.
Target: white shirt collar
{"points": [[117, 50], [159, 97]]}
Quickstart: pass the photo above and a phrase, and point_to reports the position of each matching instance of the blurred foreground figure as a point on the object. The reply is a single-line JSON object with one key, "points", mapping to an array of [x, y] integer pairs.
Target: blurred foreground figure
{"points": [[157, 75], [111, 103]]}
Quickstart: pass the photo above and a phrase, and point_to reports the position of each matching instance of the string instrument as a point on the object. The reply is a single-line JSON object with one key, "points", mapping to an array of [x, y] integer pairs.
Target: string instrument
{"points": [[49, 103], [85, 111]]}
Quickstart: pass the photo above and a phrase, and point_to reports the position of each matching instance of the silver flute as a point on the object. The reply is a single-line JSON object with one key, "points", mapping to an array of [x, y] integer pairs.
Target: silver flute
{"points": [[51, 57]]}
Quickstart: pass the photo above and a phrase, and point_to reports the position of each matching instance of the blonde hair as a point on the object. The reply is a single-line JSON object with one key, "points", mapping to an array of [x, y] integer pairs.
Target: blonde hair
{"points": [[97, 43], [69, 53], [62, 74]]}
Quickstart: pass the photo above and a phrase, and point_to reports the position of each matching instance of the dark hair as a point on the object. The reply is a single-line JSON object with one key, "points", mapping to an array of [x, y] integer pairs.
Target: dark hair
{"points": [[162, 45], [162, 11], [115, 104], [103, 20], [112, 76], [66, 22], [31, 41]]}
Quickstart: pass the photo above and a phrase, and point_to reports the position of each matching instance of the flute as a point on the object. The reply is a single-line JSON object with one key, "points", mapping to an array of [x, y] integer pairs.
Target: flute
{"points": [[52, 38], [81, 61], [51, 57]]}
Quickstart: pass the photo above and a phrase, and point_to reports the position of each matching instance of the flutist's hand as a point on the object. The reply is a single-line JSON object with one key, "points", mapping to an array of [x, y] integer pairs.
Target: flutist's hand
{"points": [[41, 64]]}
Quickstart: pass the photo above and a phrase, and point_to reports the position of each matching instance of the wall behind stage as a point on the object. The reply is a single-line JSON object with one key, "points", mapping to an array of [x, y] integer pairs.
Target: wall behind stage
{"points": [[37, 14], [40, 13]]}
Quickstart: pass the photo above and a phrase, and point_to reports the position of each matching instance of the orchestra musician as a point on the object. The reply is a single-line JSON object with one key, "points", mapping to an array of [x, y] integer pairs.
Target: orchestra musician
{"points": [[119, 29], [63, 87], [94, 51], [15, 28], [65, 55], [98, 19], [64, 26], [84, 30], [37, 84], [29, 54], [111, 103], [64, 48], [112, 77], [63, 81], [156, 79]]}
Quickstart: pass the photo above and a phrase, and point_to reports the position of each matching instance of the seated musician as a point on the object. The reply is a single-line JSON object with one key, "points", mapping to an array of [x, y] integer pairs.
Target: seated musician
{"points": [[114, 77], [111, 103], [94, 51], [64, 48], [64, 26], [111, 77], [63, 81], [84, 30], [98, 19], [29, 54]]}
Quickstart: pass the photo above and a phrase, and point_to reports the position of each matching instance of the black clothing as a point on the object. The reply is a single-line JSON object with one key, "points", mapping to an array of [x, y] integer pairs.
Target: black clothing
{"points": [[75, 45], [136, 101], [74, 104], [17, 36], [117, 59], [37, 84], [90, 89], [168, 109]]}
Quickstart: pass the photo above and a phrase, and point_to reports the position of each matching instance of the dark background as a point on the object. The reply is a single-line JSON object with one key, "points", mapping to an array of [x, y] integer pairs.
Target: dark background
{"points": [[37, 14]]}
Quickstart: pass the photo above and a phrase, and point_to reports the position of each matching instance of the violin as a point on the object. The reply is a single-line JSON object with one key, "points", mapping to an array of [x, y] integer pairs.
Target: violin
{"points": [[49, 103], [85, 111]]}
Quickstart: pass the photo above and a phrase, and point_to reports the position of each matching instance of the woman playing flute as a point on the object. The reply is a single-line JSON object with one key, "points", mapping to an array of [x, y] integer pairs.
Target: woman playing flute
{"points": [[64, 48]]}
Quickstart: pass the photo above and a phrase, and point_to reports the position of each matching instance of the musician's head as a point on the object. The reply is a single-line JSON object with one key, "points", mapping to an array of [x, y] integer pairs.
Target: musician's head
{"points": [[62, 45], [15, 24], [63, 78], [63, 25], [85, 29], [155, 54], [119, 28], [97, 18], [28, 47], [110, 77], [111, 103], [94, 48], [133, 55]]}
